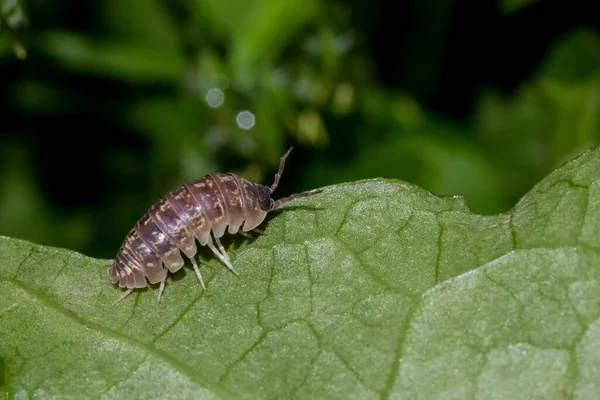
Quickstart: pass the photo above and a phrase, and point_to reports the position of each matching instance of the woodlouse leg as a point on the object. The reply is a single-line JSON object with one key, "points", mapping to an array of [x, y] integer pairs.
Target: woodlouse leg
{"points": [[198, 274], [127, 293], [222, 249], [225, 261], [160, 289], [255, 230]]}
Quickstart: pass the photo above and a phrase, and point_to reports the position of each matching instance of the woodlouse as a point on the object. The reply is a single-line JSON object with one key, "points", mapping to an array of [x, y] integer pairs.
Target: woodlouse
{"points": [[200, 209]]}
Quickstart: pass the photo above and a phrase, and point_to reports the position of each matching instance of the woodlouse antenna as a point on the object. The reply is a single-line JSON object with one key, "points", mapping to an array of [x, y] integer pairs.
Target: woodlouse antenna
{"points": [[280, 170], [279, 202]]}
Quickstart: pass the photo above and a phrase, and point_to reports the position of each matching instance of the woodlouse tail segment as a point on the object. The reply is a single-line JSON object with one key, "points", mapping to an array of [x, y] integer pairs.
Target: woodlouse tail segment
{"points": [[280, 202], [113, 274]]}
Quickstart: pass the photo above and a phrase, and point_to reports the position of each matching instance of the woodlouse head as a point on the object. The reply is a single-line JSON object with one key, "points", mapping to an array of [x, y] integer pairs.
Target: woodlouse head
{"points": [[264, 197], [266, 202]]}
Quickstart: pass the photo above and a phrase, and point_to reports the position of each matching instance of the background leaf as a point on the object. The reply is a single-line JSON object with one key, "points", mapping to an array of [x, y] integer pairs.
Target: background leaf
{"points": [[462, 98], [374, 289]]}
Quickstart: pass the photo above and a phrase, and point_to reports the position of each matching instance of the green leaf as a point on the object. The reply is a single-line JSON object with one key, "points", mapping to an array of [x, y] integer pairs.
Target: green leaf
{"points": [[142, 21], [262, 34], [374, 289], [138, 62], [12, 19], [431, 152], [12, 15], [512, 6], [548, 120]]}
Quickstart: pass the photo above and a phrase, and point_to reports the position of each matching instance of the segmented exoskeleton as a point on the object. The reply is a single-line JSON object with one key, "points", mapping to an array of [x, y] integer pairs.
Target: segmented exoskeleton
{"points": [[201, 209]]}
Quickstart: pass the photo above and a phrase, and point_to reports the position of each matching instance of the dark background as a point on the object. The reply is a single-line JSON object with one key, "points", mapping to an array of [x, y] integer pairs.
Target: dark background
{"points": [[108, 109]]}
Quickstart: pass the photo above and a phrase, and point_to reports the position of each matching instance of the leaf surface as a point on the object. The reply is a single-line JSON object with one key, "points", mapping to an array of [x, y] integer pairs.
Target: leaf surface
{"points": [[374, 289]]}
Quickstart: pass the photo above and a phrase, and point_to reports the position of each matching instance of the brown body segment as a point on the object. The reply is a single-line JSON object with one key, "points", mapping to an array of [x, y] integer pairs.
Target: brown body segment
{"points": [[150, 262], [159, 243], [190, 213], [208, 195], [201, 209], [232, 198], [171, 224]]}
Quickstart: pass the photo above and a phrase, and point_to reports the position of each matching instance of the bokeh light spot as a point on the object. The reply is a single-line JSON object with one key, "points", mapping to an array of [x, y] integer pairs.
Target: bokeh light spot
{"points": [[215, 97], [245, 119]]}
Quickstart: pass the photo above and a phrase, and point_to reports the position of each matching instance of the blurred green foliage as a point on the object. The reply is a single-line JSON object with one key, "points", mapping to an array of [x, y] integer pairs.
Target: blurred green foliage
{"points": [[12, 19], [117, 102]]}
